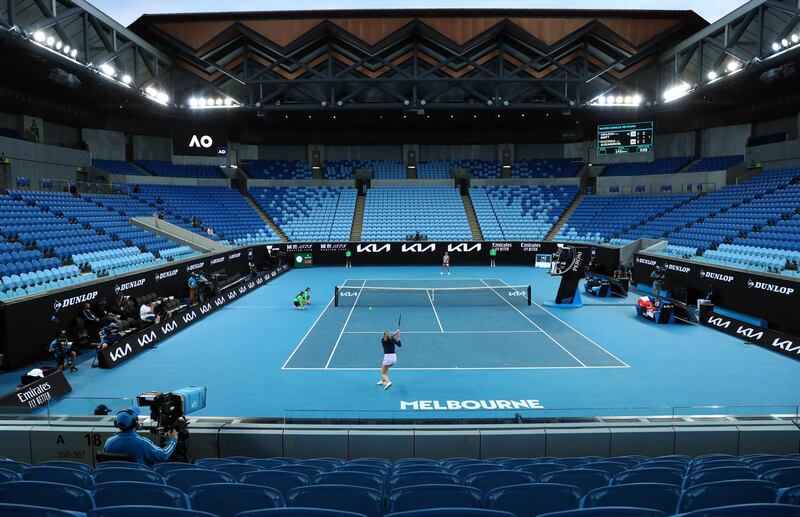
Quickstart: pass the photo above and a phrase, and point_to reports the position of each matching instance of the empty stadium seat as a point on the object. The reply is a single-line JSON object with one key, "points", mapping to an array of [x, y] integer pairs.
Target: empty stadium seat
{"points": [[669, 476], [26, 510], [298, 512], [185, 479], [585, 479], [617, 511], [413, 477], [145, 511], [717, 474], [656, 496], [534, 498], [452, 512], [421, 497], [784, 477], [726, 493], [228, 499], [108, 475], [354, 478], [119, 493], [748, 510], [64, 497], [485, 481], [65, 476], [366, 501]]}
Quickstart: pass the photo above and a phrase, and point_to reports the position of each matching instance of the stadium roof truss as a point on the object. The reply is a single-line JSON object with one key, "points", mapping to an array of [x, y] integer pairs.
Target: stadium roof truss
{"points": [[417, 60], [751, 35], [77, 36]]}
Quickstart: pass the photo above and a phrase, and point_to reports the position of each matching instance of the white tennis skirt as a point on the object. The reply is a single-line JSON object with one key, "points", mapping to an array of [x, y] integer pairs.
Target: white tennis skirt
{"points": [[389, 359]]}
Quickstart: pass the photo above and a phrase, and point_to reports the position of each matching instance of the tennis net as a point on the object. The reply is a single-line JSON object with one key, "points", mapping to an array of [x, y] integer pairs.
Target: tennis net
{"points": [[349, 296]]}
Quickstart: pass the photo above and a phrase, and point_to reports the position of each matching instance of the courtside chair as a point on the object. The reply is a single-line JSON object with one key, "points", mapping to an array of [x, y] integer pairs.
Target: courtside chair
{"points": [[533, 498]]}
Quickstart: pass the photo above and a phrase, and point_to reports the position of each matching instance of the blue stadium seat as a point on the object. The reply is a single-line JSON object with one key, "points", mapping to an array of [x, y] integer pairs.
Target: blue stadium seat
{"points": [[25, 510], [534, 498], [240, 459], [65, 497], [228, 500], [649, 475], [452, 512], [790, 495], [467, 469], [656, 496], [748, 510], [485, 481], [612, 468], [68, 465], [325, 465], [339, 497], [107, 475], [236, 469], [585, 479], [267, 463], [210, 463], [120, 465], [766, 466], [299, 512], [120, 493], [186, 479], [145, 511], [307, 470], [60, 475], [619, 511], [420, 497], [354, 478], [726, 493], [784, 478], [539, 469], [377, 470], [166, 468], [9, 475], [717, 474], [283, 482], [409, 478], [713, 464]]}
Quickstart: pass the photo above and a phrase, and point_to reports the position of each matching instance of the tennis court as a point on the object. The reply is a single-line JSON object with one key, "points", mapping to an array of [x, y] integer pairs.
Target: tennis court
{"points": [[458, 324]]}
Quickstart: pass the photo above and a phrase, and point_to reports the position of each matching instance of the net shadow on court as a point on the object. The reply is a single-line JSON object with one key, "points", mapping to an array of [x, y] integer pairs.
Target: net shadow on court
{"points": [[470, 324]]}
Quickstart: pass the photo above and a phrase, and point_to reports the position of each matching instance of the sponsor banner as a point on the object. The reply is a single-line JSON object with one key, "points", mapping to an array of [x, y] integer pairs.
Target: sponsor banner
{"points": [[28, 324], [763, 296], [134, 344], [431, 252], [37, 393], [766, 338], [469, 405]]}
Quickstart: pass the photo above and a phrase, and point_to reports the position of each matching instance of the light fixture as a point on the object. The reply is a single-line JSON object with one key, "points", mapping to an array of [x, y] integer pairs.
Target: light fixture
{"points": [[619, 99], [162, 97], [192, 102], [712, 75], [74, 53], [776, 46], [59, 45], [628, 99], [218, 101], [66, 49], [601, 99], [795, 38], [784, 42], [107, 69], [51, 41], [39, 37], [228, 101], [127, 79], [637, 99], [676, 92], [733, 65]]}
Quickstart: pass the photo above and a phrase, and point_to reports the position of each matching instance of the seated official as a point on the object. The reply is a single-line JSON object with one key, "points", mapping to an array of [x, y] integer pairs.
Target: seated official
{"points": [[61, 348], [147, 314], [126, 441], [253, 269], [198, 287]]}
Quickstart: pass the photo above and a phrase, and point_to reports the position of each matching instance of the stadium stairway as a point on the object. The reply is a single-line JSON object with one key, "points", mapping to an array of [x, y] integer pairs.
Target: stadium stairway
{"points": [[358, 218], [564, 217], [267, 219], [472, 218]]}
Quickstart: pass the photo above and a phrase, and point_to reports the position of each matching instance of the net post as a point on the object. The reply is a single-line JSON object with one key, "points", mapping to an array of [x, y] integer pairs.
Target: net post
{"points": [[529, 294], [336, 296]]}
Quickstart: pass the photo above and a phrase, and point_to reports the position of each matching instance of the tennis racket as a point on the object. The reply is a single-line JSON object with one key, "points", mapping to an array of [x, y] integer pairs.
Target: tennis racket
{"points": [[398, 321]]}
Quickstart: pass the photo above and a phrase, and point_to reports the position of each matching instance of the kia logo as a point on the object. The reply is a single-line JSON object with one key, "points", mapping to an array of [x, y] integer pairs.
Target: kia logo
{"points": [[147, 339], [204, 141], [189, 317]]}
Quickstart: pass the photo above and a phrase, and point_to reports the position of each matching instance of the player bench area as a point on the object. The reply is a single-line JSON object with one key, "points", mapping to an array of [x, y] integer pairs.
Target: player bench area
{"points": [[467, 324]]}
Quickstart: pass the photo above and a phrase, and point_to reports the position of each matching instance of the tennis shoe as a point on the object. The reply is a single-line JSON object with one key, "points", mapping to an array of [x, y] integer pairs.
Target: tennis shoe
{"points": [[387, 385], [380, 382]]}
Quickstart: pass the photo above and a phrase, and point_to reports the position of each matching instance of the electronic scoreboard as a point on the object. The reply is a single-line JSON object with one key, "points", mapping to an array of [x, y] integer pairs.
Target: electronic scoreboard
{"points": [[636, 137]]}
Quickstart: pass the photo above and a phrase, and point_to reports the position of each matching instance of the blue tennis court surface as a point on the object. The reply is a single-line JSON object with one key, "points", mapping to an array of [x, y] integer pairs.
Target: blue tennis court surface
{"points": [[260, 356], [491, 327]]}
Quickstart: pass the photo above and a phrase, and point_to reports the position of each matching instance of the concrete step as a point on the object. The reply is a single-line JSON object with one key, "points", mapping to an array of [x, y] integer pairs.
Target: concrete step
{"points": [[472, 218], [358, 218]]}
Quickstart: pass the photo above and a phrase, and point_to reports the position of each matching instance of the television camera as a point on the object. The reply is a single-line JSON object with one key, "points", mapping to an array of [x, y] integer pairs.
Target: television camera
{"points": [[168, 412]]}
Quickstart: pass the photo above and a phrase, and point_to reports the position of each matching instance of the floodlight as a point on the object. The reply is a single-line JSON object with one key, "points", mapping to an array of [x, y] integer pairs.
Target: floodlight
{"points": [[795, 38], [785, 42], [637, 99], [218, 101], [74, 53], [192, 102], [59, 45], [776, 46], [628, 99], [228, 101], [126, 79], [107, 70], [39, 36], [162, 97], [66, 50], [712, 75], [676, 92], [619, 99], [51, 41]]}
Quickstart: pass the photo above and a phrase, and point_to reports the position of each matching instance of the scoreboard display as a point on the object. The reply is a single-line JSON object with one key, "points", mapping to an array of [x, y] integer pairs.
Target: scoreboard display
{"points": [[636, 137]]}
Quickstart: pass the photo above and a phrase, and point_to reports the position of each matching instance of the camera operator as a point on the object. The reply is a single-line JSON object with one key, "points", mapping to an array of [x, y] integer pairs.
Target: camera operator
{"points": [[126, 441], [61, 348], [108, 336], [253, 269], [147, 314], [658, 275], [198, 287]]}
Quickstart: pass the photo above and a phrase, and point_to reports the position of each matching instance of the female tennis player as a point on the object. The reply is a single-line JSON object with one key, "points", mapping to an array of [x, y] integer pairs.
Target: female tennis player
{"points": [[388, 342], [445, 263]]}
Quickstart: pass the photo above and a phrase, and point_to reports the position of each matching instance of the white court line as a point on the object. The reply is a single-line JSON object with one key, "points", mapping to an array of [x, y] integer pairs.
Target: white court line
{"points": [[531, 322], [428, 293], [307, 333], [449, 368], [288, 306], [418, 280], [577, 331], [330, 357], [452, 332]]}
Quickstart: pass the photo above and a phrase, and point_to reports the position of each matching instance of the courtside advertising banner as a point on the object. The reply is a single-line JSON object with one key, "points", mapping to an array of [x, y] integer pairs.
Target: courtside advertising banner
{"points": [[768, 297]]}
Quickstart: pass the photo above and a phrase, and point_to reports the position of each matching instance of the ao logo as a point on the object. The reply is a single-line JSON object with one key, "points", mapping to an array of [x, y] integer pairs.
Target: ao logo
{"points": [[204, 141]]}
